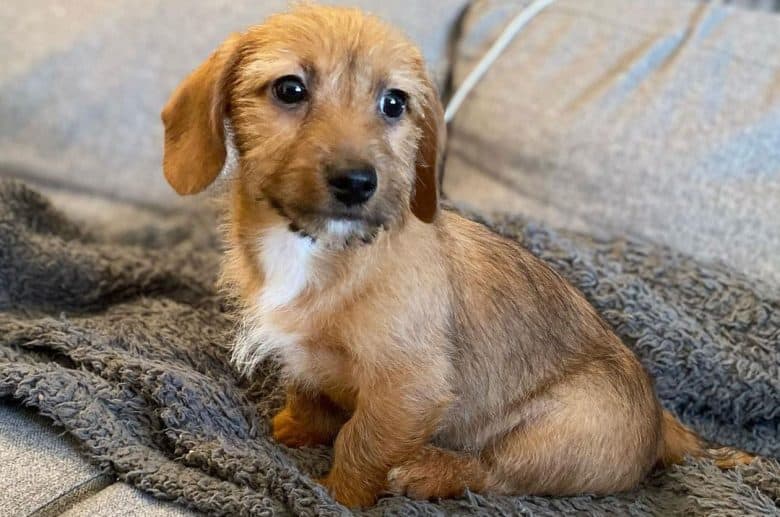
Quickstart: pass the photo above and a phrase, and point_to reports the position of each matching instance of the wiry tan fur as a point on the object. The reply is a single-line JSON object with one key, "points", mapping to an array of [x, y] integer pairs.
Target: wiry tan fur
{"points": [[434, 354]]}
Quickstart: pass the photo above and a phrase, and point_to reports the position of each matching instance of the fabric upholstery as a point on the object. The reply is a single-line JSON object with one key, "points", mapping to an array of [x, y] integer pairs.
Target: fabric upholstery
{"points": [[122, 499], [39, 466], [652, 118]]}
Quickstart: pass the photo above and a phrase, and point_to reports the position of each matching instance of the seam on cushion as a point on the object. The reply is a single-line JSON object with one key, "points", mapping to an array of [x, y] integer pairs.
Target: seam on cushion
{"points": [[73, 496], [570, 10]]}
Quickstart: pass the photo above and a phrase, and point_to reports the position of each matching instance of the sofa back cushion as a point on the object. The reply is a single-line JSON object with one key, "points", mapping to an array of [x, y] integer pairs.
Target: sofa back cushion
{"points": [[652, 118]]}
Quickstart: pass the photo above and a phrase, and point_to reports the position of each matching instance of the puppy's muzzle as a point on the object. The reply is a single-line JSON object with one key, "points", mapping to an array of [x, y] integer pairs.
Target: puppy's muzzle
{"points": [[354, 185]]}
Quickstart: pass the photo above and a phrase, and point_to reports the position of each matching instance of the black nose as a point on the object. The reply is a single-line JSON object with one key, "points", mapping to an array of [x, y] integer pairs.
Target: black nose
{"points": [[353, 186]]}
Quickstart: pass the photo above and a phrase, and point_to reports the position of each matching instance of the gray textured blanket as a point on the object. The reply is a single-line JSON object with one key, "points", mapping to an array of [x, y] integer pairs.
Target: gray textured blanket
{"points": [[122, 341]]}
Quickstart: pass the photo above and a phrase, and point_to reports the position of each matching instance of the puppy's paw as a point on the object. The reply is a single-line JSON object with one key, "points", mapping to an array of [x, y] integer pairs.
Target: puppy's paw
{"points": [[292, 433], [413, 482], [350, 495], [425, 477]]}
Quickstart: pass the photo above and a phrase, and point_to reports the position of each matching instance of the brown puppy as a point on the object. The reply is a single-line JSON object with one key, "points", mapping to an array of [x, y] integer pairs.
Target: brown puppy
{"points": [[436, 355]]}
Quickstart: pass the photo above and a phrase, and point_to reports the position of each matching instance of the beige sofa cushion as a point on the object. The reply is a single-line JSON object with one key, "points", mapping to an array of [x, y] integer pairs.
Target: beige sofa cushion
{"points": [[651, 118], [122, 499], [40, 470]]}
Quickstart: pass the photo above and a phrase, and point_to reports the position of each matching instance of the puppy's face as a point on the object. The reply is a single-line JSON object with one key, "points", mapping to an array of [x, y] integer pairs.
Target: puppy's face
{"points": [[335, 120]]}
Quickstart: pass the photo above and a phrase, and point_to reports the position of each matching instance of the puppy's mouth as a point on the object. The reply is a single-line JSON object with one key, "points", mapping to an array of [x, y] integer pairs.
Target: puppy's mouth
{"points": [[334, 228]]}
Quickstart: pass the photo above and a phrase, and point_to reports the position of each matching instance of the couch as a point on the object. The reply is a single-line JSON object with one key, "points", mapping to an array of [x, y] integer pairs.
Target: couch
{"points": [[656, 119]]}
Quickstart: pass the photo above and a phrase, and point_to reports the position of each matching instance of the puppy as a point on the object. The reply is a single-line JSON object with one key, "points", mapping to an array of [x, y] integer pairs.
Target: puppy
{"points": [[435, 355]]}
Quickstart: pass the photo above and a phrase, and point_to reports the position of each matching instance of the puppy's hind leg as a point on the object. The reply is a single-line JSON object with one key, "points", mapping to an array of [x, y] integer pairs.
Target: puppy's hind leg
{"points": [[584, 445], [307, 419], [581, 444]]}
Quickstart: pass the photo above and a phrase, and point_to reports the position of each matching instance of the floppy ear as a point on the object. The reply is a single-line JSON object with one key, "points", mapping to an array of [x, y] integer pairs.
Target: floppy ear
{"points": [[193, 117], [425, 200]]}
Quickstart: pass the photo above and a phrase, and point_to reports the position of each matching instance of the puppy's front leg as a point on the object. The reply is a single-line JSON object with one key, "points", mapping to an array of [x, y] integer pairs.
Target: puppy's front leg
{"points": [[385, 430]]}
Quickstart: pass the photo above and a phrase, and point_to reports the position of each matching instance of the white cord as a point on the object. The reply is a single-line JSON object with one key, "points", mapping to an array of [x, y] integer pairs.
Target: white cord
{"points": [[490, 57]]}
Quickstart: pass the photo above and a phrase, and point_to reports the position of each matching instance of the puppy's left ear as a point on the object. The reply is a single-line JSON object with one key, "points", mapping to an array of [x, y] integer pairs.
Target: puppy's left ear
{"points": [[193, 117], [430, 149]]}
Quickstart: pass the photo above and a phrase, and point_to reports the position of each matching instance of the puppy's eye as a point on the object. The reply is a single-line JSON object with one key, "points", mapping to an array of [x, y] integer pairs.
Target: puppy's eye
{"points": [[392, 103], [290, 89]]}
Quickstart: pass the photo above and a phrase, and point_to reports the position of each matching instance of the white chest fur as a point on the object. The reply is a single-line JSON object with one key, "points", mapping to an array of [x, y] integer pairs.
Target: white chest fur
{"points": [[286, 261], [285, 258]]}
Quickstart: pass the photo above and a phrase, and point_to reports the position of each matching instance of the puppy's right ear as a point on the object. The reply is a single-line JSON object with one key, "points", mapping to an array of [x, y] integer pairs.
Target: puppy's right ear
{"points": [[193, 117], [433, 130]]}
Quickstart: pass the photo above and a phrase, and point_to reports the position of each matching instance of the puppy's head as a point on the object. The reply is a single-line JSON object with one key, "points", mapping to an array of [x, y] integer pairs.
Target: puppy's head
{"points": [[337, 124]]}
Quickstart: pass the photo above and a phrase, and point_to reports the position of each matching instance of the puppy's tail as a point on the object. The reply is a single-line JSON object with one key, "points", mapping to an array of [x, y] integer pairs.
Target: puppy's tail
{"points": [[679, 442]]}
